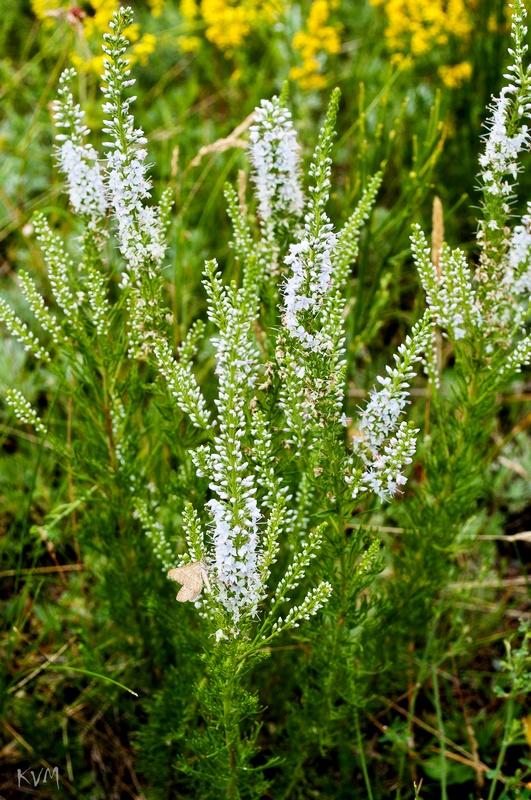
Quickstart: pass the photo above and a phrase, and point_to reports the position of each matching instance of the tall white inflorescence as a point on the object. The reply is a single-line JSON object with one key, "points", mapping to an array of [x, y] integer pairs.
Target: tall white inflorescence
{"points": [[502, 151], [275, 155], [385, 445], [518, 273], [235, 513], [508, 136], [140, 230], [310, 280], [78, 161]]}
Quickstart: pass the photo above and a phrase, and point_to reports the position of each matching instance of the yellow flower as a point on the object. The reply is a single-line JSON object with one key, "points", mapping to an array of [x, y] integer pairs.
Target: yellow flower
{"points": [[314, 44], [138, 54], [92, 64], [98, 22], [453, 76], [90, 27], [41, 8], [308, 76], [229, 22], [188, 44], [417, 26], [227, 25], [156, 7], [132, 33], [141, 51], [189, 9]]}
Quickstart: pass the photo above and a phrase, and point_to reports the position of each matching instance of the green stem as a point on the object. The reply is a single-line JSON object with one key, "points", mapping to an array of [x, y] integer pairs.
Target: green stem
{"points": [[231, 728], [362, 757], [504, 745], [424, 671], [436, 700]]}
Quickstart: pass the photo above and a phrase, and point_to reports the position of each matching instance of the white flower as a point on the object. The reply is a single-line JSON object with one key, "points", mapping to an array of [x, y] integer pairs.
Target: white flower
{"points": [[140, 232], [384, 475], [385, 446], [308, 284], [274, 154], [79, 163], [236, 555], [502, 150], [450, 293], [380, 416]]}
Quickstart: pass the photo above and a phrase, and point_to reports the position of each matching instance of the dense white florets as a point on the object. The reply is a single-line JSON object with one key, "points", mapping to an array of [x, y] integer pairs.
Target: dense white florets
{"points": [[274, 154]]}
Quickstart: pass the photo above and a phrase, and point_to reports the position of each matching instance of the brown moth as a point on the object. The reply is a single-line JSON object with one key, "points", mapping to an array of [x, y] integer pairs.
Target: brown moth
{"points": [[192, 577]]}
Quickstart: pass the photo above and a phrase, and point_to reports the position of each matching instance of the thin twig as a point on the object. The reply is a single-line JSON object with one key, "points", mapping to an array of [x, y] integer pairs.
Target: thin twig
{"points": [[11, 573], [49, 660]]}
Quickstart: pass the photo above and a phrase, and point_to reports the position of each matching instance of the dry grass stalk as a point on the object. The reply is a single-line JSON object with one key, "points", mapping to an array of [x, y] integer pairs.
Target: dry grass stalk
{"points": [[220, 145]]}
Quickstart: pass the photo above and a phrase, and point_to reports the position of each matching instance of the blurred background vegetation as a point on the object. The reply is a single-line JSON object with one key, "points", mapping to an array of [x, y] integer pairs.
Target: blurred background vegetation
{"points": [[416, 77]]}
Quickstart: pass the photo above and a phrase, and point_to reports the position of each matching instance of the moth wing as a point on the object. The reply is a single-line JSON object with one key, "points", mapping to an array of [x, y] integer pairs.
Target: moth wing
{"points": [[204, 577], [191, 578], [187, 593], [176, 574]]}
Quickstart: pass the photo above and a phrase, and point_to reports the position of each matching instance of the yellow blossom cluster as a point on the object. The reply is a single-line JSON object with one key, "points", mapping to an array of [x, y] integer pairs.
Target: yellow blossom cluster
{"points": [[314, 43], [156, 7], [227, 22], [416, 27], [89, 23], [454, 75], [191, 13]]}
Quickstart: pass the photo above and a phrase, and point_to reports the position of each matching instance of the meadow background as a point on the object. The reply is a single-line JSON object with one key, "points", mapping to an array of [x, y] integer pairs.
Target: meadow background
{"points": [[430, 699]]}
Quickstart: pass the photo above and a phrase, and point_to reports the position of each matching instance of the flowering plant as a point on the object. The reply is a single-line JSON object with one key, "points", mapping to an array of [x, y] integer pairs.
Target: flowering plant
{"points": [[222, 456]]}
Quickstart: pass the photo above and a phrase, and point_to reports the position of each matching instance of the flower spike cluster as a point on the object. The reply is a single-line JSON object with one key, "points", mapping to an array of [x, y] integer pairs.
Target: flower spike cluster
{"points": [[275, 154], [449, 291], [78, 161], [236, 536], [140, 230], [485, 312], [508, 136], [235, 514], [310, 259], [23, 410], [384, 444], [311, 351]]}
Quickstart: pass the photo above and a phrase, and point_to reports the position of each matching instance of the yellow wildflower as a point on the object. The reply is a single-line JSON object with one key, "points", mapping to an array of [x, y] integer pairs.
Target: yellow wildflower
{"points": [[132, 33], [453, 76], [92, 64], [41, 7], [142, 49], [94, 18], [90, 26], [229, 22], [314, 43], [156, 7], [189, 9], [188, 44], [96, 23], [415, 27]]}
